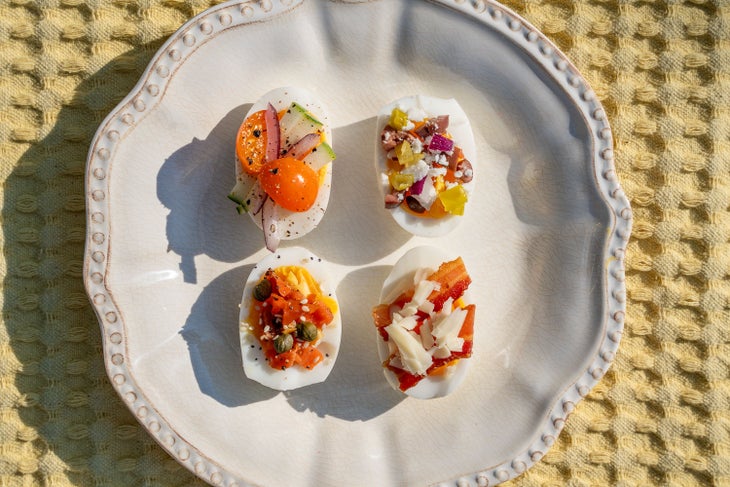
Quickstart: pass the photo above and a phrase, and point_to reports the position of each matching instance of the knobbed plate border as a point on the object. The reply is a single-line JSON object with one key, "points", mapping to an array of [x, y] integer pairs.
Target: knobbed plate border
{"points": [[150, 90]]}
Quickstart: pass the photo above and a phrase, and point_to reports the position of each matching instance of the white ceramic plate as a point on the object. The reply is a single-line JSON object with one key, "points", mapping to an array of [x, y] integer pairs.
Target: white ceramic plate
{"points": [[167, 254]]}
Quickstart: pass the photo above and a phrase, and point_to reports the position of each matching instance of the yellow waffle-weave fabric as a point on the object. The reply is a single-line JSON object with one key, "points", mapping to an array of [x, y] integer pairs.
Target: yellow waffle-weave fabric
{"points": [[661, 416]]}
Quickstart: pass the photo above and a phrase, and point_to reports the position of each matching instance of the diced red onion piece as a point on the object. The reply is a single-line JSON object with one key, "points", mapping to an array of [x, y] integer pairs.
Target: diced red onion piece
{"points": [[417, 187], [304, 145], [270, 224], [273, 134], [440, 143]]}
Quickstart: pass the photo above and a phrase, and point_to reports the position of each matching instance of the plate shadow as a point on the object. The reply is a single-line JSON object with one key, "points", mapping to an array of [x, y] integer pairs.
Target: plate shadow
{"points": [[212, 338], [356, 390], [193, 183]]}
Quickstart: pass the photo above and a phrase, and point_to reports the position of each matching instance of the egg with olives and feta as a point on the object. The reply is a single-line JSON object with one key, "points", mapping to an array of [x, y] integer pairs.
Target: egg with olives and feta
{"points": [[425, 323], [289, 325], [425, 163], [284, 157]]}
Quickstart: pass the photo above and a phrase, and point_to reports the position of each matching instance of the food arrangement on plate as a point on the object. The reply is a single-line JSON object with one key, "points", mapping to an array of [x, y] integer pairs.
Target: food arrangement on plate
{"points": [[290, 325], [289, 329], [283, 164]]}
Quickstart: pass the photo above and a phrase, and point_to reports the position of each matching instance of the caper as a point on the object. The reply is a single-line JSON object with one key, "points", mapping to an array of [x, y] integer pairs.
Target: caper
{"points": [[262, 291], [283, 343], [307, 331]]}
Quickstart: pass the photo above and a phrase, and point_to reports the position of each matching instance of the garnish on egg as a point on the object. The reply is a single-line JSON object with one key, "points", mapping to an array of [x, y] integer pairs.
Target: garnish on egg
{"points": [[290, 325], [425, 323], [425, 162], [283, 164]]}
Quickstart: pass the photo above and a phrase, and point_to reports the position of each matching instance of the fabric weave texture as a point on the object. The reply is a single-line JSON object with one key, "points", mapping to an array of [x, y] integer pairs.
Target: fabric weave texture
{"points": [[661, 68]]}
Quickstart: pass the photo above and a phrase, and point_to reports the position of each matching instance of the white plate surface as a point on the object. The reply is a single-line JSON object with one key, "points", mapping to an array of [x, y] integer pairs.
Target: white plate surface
{"points": [[167, 254]]}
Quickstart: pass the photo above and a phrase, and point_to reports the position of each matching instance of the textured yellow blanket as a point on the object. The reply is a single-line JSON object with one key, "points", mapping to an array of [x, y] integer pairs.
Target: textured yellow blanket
{"points": [[661, 416]]}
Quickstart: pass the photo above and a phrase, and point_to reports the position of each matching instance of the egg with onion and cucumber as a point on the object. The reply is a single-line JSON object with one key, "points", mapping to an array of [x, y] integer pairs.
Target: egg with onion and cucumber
{"points": [[426, 145], [283, 164]]}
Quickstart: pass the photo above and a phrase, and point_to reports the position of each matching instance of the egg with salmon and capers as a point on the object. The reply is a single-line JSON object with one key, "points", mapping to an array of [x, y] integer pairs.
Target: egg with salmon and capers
{"points": [[289, 323], [284, 164]]}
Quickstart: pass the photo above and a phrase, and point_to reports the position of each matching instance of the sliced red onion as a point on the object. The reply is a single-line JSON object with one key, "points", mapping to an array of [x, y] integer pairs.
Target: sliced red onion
{"points": [[270, 224], [273, 134], [304, 145], [440, 143], [417, 187], [255, 198]]}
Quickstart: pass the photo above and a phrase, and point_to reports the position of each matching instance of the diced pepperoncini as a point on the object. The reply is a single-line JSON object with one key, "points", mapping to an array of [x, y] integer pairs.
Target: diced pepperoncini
{"points": [[398, 119], [454, 199], [400, 182], [406, 156]]}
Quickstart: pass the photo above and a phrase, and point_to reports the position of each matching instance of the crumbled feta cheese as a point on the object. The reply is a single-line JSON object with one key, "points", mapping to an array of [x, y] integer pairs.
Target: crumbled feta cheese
{"points": [[419, 170], [417, 146], [415, 113], [409, 126], [437, 171]]}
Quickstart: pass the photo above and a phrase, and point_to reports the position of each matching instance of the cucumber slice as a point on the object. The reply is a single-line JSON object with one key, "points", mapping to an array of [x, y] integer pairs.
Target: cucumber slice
{"points": [[238, 195], [320, 155], [296, 123]]}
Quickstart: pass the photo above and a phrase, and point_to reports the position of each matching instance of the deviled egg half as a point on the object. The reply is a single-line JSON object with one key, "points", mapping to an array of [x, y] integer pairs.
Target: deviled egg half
{"points": [[283, 157], [289, 324], [425, 323], [425, 163]]}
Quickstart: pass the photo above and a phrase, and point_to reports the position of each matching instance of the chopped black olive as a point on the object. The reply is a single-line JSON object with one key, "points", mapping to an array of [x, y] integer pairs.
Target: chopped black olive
{"points": [[414, 205]]}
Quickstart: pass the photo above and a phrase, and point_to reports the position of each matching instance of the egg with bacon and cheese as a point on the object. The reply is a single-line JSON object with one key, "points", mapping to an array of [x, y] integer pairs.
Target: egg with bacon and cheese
{"points": [[425, 323]]}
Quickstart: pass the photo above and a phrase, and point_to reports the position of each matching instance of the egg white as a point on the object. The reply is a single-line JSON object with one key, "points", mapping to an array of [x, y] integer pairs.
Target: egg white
{"points": [[254, 360], [294, 224], [459, 128], [401, 278]]}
